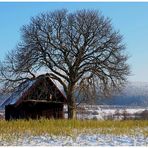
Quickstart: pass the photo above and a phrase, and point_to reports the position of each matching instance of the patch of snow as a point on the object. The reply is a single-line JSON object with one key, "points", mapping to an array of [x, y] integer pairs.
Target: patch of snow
{"points": [[80, 140]]}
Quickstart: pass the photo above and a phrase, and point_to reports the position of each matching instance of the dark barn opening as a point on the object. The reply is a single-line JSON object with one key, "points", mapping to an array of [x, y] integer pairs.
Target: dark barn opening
{"points": [[38, 99]]}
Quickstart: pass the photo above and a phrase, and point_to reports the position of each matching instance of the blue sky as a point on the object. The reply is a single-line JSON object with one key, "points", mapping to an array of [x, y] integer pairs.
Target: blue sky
{"points": [[131, 19]]}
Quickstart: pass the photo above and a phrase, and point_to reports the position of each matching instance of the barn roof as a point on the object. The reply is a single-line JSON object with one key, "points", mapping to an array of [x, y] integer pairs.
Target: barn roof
{"points": [[23, 88]]}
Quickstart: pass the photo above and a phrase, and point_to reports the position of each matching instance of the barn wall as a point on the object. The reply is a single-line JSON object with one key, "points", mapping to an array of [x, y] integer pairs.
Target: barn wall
{"points": [[34, 111]]}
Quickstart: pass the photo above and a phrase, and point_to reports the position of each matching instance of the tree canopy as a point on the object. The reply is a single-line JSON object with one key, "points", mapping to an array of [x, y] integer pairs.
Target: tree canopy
{"points": [[81, 50]]}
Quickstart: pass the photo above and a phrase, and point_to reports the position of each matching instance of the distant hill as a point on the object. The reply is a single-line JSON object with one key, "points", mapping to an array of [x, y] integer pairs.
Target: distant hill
{"points": [[134, 94]]}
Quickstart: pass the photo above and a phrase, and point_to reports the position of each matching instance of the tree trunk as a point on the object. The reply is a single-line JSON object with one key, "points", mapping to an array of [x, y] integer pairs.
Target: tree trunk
{"points": [[71, 103], [71, 109]]}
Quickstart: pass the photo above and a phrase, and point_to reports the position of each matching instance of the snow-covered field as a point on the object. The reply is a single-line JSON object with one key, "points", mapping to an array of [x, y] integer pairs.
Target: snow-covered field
{"points": [[80, 140], [102, 112]]}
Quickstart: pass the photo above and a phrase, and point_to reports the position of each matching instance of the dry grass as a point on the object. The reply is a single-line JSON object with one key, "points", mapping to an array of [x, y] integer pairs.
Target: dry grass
{"points": [[14, 129]]}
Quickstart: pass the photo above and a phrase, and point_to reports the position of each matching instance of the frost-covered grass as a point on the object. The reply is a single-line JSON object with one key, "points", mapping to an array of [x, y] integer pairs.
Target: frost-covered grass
{"points": [[73, 132]]}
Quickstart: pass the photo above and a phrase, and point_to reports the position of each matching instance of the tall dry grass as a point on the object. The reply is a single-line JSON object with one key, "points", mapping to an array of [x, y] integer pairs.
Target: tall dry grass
{"points": [[14, 129]]}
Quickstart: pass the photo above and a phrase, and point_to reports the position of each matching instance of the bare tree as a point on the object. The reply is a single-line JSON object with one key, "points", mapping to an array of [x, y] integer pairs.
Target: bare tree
{"points": [[81, 50]]}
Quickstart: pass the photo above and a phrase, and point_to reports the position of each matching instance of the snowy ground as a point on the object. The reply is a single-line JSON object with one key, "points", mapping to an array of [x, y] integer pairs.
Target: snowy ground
{"points": [[80, 140]]}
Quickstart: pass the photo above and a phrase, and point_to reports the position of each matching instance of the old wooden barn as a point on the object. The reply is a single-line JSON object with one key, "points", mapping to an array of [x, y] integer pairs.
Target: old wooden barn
{"points": [[35, 99]]}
